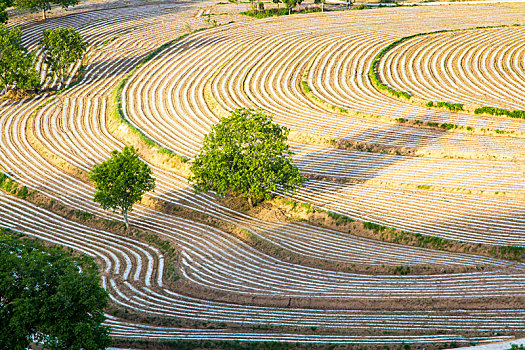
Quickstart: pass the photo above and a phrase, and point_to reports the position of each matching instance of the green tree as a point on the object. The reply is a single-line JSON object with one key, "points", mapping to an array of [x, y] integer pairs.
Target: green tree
{"points": [[322, 2], [245, 154], [50, 297], [43, 5], [277, 2], [290, 4], [16, 63], [121, 181], [61, 48]]}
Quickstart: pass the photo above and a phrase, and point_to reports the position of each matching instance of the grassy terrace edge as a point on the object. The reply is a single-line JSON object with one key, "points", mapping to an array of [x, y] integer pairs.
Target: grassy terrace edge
{"points": [[405, 96], [116, 96], [118, 112], [449, 127], [413, 239]]}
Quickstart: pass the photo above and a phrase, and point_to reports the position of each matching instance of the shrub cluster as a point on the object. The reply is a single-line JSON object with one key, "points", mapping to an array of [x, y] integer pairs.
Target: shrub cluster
{"points": [[518, 114], [447, 105]]}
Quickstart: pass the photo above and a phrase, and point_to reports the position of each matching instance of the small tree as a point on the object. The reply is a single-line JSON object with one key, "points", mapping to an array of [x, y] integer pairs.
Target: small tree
{"points": [[290, 4], [277, 2], [49, 297], [245, 154], [16, 63], [121, 181], [322, 2], [61, 48], [44, 5]]}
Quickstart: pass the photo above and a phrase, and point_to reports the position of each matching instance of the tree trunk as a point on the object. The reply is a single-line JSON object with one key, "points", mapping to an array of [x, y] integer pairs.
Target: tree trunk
{"points": [[44, 14], [125, 214], [250, 202], [322, 5]]}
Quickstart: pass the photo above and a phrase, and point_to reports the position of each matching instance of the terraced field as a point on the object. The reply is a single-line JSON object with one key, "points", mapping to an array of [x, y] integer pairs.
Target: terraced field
{"points": [[251, 277]]}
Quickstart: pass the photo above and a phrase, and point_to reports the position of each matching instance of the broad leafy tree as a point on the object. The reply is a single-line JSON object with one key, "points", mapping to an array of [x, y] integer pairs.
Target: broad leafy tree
{"points": [[16, 63], [121, 181], [43, 5], [49, 296], [245, 154], [62, 47]]}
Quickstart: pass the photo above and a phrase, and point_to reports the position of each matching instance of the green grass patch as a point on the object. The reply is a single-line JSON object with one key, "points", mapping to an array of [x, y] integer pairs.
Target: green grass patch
{"points": [[374, 227], [515, 253], [85, 215], [9, 185], [306, 88]]}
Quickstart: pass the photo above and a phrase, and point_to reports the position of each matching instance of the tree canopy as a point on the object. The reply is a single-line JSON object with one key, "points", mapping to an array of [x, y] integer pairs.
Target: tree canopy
{"points": [[16, 63], [50, 297], [290, 4], [43, 5], [245, 154], [61, 48], [121, 181], [3, 12]]}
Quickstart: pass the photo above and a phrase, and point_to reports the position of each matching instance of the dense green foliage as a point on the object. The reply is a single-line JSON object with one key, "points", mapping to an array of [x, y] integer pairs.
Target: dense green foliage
{"points": [[448, 105], [500, 111], [61, 48], [290, 4], [16, 63], [50, 297], [44, 5], [3, 13], [121, 181], [246, 154]]}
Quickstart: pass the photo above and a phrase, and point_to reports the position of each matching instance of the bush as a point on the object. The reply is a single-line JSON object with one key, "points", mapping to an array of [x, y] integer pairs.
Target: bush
{"points": [[23, 192], [305, 87], [448, 126], [450, 106], [518, 114]]}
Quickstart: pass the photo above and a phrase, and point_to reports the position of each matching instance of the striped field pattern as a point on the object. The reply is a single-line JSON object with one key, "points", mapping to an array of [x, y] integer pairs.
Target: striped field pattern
{"points": [[460, 186]]}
